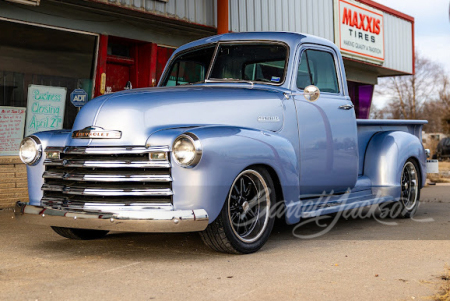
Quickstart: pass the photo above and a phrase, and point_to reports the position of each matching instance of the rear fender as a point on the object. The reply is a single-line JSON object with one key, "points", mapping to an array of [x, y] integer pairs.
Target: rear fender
{"points": [[385, 157]]}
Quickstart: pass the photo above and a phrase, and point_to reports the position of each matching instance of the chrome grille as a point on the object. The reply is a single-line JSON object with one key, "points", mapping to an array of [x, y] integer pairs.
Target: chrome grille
{"points": [[93, 176]]}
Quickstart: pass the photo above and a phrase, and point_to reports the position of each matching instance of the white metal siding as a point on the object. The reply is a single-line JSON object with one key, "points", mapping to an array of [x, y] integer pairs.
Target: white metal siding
{"points": [[195, 11], [305, 16], [316, 17], [398, 44]]}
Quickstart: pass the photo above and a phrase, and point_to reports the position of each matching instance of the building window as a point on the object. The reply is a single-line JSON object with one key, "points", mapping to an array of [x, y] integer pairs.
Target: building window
{"points": [[38, 56]]}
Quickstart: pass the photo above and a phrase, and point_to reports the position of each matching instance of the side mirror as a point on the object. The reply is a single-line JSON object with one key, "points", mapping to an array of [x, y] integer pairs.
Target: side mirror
{"points": [[311, 93], [427, 152]]}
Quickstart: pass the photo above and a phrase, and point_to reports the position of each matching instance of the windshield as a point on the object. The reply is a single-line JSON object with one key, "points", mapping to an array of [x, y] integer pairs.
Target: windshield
{"points": [[248, 62]]}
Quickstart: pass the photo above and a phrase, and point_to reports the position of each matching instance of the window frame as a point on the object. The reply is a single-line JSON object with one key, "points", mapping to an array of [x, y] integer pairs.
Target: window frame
{"points": [[216, 46], [337, 67], [255, 42], [166, 73]]}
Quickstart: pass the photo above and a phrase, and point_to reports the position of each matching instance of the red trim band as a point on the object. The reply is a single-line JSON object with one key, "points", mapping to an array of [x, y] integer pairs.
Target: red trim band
{"points": [[387, 9]]}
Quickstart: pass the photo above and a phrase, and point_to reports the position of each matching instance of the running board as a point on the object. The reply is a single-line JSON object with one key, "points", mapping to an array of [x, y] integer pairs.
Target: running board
{"points": [[314, 209]]}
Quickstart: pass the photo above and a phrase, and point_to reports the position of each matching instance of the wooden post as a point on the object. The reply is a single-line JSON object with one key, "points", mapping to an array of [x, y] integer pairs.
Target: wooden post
{"points": [[100, 78], [222, 16]]}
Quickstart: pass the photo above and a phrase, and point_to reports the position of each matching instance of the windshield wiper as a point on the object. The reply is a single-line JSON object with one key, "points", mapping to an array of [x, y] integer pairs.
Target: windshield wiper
{"points": [[228, 80], [194, 83]]}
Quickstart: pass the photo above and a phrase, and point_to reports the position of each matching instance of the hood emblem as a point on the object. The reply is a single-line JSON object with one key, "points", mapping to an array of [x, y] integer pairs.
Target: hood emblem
{"points": [[268, 119], [96, 132]]}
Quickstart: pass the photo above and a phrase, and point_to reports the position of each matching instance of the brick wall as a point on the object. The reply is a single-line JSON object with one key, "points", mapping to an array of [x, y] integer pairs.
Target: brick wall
{"points": [[13, 181]]}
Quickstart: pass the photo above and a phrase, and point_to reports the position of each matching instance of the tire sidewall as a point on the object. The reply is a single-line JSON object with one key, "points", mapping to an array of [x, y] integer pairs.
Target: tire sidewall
{"points": [[239, 245], [411, 212]]}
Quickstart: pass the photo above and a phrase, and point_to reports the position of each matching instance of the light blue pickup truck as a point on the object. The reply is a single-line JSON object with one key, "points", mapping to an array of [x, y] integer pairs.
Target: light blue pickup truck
{"points": [[242, 128]]}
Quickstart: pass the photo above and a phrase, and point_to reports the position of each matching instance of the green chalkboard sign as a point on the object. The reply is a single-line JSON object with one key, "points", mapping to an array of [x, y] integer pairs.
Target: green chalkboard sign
{"points": [[45, 108]]}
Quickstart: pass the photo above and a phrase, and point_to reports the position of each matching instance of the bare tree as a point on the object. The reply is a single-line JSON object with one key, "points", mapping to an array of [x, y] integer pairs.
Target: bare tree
{"points": [[377, 112], [408, 94], [424, 95], [444, 100], [433, 112]]}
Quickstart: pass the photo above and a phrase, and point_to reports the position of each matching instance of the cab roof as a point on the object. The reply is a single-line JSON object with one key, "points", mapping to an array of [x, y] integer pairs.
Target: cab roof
{"points": [[292, 39]]}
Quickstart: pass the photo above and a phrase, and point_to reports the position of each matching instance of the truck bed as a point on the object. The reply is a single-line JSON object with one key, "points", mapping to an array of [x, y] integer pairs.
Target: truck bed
{"points": [[369, 127]]}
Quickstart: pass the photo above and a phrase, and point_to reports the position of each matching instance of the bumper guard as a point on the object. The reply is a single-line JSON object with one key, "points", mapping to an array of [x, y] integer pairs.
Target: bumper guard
{"points": [[147, 220]]}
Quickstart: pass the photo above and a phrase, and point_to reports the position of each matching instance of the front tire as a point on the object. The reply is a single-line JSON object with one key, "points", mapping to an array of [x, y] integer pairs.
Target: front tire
{"points": [[245, 221], [80, 234]]}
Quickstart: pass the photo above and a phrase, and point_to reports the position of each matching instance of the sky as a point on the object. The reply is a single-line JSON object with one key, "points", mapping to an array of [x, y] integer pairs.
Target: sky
{"points": [[432, 30]]}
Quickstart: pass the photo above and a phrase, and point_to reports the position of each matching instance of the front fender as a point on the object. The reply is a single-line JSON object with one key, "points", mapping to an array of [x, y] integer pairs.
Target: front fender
{"points": [[34, 172], [226, 152], [385, 157]]}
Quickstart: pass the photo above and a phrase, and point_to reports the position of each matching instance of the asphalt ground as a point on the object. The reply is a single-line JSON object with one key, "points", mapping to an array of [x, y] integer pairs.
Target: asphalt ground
{"points": [[358, 258]]}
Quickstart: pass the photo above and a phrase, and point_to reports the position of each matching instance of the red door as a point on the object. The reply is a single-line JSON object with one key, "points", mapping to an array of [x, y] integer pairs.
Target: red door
{"points": [[163, 56], [121, 61], [121, 64], [118, 75]]}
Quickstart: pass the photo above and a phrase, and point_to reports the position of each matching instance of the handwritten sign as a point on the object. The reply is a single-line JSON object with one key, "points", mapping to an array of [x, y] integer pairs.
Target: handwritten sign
{"points": [[45, 108], [12, 121]]}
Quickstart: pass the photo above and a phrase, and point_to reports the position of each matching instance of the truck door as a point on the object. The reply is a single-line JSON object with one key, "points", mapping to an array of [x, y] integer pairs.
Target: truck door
{"points": [[326, 127]]}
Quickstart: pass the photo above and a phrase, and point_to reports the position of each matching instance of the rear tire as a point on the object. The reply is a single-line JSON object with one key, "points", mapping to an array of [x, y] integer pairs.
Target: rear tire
{"points": [[245, 221], [408, 203], [80, 234]]}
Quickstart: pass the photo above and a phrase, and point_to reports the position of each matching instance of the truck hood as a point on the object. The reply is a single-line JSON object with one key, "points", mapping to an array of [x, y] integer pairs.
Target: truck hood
{"points": [[139, 113]]}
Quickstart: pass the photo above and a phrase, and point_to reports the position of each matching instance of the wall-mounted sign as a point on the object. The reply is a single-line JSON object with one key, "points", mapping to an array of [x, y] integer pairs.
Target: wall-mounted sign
{"points": [[45, 108], [359, 31], [12, 121], [78, 97], [26, 2]]}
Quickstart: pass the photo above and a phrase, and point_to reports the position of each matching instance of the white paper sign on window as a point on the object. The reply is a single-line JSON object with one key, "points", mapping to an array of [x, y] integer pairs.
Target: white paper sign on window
{"points": [[359, 31], [12, 121], [45, 108]]}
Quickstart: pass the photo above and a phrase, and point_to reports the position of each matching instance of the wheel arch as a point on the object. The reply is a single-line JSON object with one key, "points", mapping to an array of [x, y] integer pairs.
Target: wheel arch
{"points": [[385, 157], [228, 150], [417, 162], [276, 183]]}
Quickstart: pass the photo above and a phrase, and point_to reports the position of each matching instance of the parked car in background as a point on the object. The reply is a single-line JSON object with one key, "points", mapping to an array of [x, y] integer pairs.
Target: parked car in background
{"points": [[443, 150]]}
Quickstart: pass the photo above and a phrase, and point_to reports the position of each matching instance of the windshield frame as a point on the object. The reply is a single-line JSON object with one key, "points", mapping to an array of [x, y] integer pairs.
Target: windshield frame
{"points": [[217, 45]]}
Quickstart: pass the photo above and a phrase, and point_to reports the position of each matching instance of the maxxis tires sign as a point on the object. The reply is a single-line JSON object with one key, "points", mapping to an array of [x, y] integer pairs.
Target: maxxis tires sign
{"points": [[359, 31]]}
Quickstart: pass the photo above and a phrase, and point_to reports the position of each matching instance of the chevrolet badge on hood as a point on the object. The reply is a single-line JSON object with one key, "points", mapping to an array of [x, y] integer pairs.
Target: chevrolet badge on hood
{"points": [[96, 132]]}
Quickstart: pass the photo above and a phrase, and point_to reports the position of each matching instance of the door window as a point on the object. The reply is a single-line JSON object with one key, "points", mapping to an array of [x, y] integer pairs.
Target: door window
{"points": [[317, 68]]}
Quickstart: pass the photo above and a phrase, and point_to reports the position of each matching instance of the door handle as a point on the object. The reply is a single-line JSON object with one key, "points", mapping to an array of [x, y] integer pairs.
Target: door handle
{"points": [[346, 107]]}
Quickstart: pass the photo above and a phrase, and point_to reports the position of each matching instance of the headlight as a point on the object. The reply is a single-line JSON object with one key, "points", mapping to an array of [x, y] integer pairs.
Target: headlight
{"points": [[187, 150], [30, 150]]}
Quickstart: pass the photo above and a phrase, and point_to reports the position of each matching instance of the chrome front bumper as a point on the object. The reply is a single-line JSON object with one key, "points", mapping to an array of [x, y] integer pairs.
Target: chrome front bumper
{"points": [[146, 220]]}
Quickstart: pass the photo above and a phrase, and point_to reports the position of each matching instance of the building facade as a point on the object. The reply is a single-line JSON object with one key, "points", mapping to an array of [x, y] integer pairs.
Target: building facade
{"points": [[49, 48]]}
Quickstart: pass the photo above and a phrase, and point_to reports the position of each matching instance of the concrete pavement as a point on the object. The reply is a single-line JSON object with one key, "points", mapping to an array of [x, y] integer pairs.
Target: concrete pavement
{"points": [[359, 259]]}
